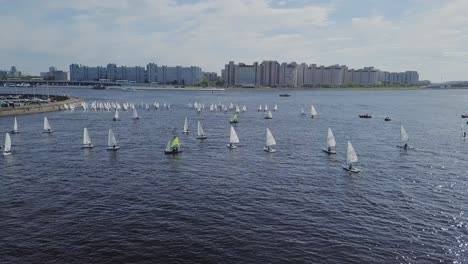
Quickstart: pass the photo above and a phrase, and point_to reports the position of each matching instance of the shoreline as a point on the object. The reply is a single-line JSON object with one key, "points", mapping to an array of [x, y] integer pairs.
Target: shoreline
{"points": [[34, 109]]}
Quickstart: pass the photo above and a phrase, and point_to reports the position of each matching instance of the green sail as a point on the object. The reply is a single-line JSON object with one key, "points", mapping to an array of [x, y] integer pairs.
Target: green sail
{"points": [[235, 117], [175, 143]]}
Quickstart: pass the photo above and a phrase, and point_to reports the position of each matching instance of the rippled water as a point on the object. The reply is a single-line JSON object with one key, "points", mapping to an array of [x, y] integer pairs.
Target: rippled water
{"points": [[62, 204]]}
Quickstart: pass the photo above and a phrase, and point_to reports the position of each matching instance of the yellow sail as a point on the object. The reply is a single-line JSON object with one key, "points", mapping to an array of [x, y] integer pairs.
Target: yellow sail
{"points": [[235, 117], [175, 143]]}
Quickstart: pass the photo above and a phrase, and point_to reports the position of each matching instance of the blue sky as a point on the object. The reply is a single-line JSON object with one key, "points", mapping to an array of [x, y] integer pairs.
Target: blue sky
{"points": [[425, 35]]}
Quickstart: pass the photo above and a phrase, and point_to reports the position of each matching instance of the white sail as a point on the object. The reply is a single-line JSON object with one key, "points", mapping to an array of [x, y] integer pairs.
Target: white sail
{"points": [[302, 111], [86, 138], [46, 124], [200, 131], [111, 141], [270, 140], [266, 108], [7, 148], [168, 146], [244, 108], [15, 126], [233, 138], [237, 109], [275, 108], [403, 135], [186, 126], [260, 108], [313, 112], [331, 143], [134, 114], [269, 115], [351, 154], [116, 114]]}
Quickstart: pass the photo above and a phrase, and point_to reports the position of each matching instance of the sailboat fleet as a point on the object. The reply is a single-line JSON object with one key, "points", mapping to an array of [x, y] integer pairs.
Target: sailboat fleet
{"points": [[174, 146]]}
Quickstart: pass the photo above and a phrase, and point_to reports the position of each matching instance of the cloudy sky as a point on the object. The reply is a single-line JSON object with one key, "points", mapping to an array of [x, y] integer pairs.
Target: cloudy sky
{"points": [[430, 36]]}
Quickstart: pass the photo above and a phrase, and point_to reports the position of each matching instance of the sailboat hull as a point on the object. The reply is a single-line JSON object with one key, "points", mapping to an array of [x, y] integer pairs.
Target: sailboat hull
{"points": [[115, 119], [402, 147], [48, 131], [113, 148], [231, 147], [329, 152], [6, 153], [169, 152], [233, 122], [87, 146], [186, 131], [202, 137], [269, 150], [15, 132], [266, 117], [353, 170]]}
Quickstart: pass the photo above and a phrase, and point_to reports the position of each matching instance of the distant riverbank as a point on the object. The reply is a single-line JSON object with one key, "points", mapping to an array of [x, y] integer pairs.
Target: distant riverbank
{"points": [[37, 108]]}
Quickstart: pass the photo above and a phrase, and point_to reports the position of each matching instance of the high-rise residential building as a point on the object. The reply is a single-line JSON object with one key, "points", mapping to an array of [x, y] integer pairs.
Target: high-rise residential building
{"points": [[246, 75], [269, 73], [54, 75], [151, 74], [210, 77]]}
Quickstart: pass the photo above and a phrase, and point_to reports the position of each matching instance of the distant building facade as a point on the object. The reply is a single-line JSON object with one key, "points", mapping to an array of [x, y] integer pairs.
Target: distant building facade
{"points": [[54, 75], [153, 73], [274, 74]]}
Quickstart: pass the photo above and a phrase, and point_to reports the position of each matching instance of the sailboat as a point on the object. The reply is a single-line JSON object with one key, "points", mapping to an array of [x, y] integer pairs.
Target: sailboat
{"points": [[237, 109], [404, 139], [15, 127], [47, 128], [313, 112], [265, 108], [135, 114], [174, 147], [7, 148], [116, 115], [111, 141], [234, 120], [233, 139], [270, 142], [275, 108], [201, 133], [331, 143], [86, 139], [302, 111], [463, 132], [259, 108], [186, 130], [351, 158], [269, 115]]}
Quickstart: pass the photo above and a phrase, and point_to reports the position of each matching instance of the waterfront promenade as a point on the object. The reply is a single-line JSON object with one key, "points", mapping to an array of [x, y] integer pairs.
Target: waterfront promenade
{"points": [[37, 108]]}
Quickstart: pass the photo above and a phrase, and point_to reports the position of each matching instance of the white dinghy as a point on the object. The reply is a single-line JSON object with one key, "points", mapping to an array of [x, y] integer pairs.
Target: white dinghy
{"points": [[47, 127], [270, 142], [233, 139], [111, 141], [15, 127], [351, 158], [86, 139], [331, 143], [7, 148], [200, 132]]}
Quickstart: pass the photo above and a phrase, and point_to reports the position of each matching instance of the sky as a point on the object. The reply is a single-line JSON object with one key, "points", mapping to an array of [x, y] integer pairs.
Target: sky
{"points": [[430, 36]]}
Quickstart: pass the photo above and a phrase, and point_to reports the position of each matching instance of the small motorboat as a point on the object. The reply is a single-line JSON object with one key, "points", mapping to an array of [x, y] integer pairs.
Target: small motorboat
{"points": [[388, 118], [285, 95], [365, 116], [464, 116]]}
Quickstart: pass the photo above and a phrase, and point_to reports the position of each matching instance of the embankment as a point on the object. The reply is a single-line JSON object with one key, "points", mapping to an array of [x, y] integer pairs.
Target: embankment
{"points": [[37, 108]]}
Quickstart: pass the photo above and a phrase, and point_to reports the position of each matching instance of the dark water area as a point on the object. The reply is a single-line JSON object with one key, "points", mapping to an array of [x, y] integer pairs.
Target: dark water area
{"points": [[63, 204]]}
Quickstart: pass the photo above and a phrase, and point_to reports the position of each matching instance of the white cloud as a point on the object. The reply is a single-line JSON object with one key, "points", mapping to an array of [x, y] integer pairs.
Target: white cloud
{"points": [[210, 33]]}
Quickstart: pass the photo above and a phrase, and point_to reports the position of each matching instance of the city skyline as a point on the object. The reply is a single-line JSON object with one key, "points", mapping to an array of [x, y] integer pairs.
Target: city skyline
{"points": [[427, 36]]}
